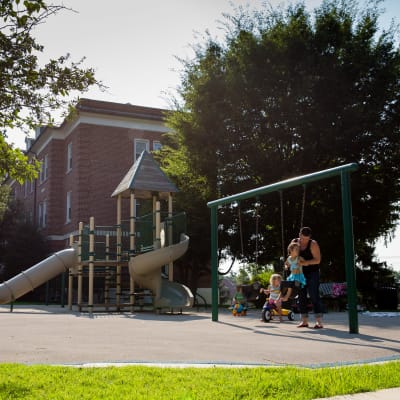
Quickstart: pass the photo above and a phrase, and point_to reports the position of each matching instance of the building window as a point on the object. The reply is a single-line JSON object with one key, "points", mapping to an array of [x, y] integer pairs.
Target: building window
{"points": [[41, 173], [140, 146], [69, 208], [44, 169], [156, 145], [69, 157], [42, 214]]}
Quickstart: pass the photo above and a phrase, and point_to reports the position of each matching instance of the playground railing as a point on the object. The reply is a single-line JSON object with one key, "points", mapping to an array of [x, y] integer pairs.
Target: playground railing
{"points": [[113, 242]]}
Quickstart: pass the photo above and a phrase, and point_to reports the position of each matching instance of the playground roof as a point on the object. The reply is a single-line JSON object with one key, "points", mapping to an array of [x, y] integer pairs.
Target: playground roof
{"points": [[145, 178]]}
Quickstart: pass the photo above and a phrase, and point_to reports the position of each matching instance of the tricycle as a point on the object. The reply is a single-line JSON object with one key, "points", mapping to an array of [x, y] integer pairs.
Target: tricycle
{"points": [[269, 310]]}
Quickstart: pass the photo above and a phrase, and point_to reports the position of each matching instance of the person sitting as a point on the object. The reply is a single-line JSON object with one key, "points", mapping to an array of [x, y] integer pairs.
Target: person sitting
{"points": [[239, 302], [274, 292]]}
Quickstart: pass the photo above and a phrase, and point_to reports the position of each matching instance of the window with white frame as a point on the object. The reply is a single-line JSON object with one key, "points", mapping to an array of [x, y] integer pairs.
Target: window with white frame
{"points": [[140, 146], [42, 214], [69, 208], [156, 145], [46, 167], [41, 173], [44, 219], [69, 157]]}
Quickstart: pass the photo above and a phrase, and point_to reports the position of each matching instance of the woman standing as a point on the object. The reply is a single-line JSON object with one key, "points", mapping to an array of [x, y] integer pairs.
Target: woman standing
{"points": [[310, 259]]}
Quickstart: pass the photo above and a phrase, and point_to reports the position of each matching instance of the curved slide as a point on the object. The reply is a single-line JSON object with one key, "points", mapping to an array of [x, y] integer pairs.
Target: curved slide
{"points": [[35, 276], [145, 269]]}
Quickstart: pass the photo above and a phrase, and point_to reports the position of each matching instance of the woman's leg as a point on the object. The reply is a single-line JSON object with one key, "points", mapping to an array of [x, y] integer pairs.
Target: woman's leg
{"points": [[303, 307], [313, 291]]}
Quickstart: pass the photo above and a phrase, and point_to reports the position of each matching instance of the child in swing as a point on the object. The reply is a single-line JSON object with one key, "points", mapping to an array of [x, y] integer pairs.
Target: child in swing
{"points": [[292, 264], [274, 292]]}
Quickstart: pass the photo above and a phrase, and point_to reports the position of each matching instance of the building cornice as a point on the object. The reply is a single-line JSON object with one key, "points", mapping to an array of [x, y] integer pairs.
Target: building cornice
{"points": [[102, 113]]}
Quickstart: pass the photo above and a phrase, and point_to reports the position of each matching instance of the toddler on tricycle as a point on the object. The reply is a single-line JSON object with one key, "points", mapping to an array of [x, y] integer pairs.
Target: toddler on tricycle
{"points": [[273, 305]]}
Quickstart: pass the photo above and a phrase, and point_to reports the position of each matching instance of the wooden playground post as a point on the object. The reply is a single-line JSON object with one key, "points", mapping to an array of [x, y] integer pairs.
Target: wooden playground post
{"points": [[132, 246], [154, 217], [91, 264], [157, 243], [119, 248], [80, 278], [70, 277], [107, 277]]}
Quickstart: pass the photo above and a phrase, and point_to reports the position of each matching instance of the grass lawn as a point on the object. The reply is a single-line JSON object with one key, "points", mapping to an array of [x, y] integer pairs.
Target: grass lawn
{"points": [[141, 382]]}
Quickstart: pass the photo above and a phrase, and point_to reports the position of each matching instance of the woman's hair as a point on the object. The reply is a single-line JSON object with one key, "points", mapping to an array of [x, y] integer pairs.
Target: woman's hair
{"points": [[274, 276], [305, 231]]}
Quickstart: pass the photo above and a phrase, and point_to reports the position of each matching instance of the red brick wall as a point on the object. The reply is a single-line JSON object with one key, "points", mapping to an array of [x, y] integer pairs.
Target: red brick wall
{"points": [[101, 155]]}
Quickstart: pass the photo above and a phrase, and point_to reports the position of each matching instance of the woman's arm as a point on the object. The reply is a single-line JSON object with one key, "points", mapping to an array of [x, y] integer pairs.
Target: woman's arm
{"points": [[316, 253]]}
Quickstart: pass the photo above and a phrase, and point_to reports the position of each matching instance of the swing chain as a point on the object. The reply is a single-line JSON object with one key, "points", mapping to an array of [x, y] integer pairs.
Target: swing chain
{"points": [[240, 229], [303, 206], [257, 215], [282, 225]]}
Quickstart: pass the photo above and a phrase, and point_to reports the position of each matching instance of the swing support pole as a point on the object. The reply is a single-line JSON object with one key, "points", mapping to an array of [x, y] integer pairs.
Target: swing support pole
{"points": [[349, 252], [344, 172]]}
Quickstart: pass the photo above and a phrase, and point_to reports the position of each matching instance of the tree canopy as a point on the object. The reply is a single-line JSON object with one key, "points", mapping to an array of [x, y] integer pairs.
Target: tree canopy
{"points": [[31, 92], [289, 92]]}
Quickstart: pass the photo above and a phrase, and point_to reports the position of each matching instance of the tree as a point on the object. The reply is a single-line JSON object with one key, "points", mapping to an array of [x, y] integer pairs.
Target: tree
{"points": [[29, 92], [15, 164], [21, 244], [286, 93], [192, 197]]}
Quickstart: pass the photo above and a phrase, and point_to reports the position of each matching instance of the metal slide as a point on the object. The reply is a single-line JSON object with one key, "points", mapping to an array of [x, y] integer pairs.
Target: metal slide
{"points": [[35, 276], [145, 269]]}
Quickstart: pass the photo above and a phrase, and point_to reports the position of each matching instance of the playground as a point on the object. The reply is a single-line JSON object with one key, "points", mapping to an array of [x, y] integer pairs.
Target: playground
{"points": [[113, 329]]}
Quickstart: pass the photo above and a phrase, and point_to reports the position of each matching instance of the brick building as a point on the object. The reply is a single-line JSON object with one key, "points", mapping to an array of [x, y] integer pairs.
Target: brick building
{"points": [[83, 161]]}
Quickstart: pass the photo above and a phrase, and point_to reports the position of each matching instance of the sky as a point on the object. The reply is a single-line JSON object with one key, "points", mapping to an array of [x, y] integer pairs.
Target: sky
{"points": [[135, 46]]}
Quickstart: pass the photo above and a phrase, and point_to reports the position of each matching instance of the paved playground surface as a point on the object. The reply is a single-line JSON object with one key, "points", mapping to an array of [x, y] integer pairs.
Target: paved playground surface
{"points": [[55, 335]]}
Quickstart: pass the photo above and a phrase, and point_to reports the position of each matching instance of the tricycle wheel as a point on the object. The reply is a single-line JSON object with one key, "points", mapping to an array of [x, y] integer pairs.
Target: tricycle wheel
{"points": [[266, 315]]}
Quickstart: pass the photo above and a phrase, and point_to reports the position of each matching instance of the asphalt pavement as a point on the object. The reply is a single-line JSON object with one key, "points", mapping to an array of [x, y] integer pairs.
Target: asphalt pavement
{"points": [[57, 336]]}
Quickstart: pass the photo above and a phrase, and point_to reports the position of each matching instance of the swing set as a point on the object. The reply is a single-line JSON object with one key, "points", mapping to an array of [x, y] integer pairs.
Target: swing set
{"points": [[258, 217], [344, 172]]}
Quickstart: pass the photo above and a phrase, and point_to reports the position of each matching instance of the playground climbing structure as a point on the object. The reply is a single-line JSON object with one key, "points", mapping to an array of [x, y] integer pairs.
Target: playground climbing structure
{"points": [[125, 266]]}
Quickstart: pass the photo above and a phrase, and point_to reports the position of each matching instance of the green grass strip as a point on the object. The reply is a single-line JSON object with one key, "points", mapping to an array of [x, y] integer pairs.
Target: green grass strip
{"points": [[141, 382]]}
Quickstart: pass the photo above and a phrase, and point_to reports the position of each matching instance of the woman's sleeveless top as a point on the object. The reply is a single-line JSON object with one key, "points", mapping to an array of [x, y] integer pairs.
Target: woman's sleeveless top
{"points": [[307, 255]]}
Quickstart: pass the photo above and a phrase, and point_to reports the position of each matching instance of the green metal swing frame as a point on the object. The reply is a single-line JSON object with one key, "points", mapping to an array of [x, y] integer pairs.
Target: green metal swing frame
{"points": [[344, 172]]}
